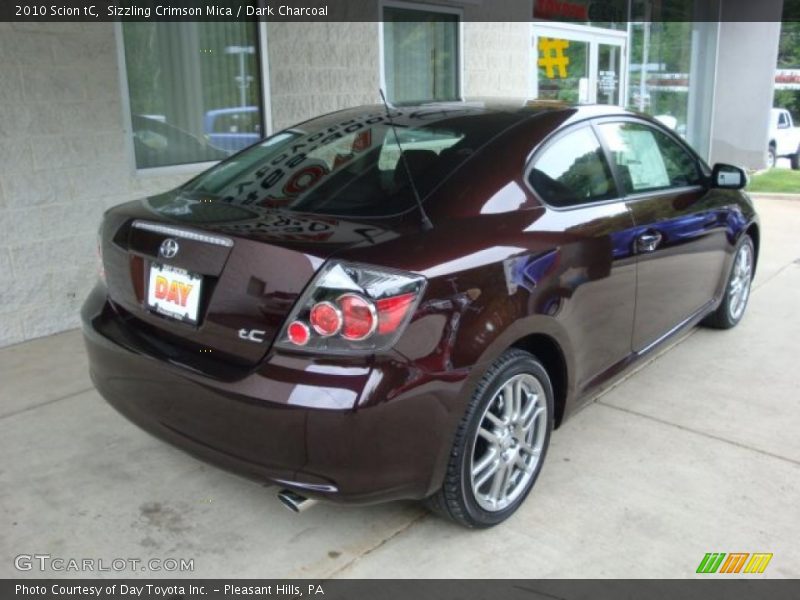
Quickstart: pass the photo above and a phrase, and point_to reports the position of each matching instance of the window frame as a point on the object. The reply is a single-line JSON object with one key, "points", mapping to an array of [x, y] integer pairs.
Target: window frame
{"points": [[621, 196], [554, 138], [193, 168], [702, 167], [429, 8]]}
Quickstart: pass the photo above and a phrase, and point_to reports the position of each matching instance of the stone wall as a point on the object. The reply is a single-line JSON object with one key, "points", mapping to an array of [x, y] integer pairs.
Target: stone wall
{"points": [[317, 68], [63, 161]]}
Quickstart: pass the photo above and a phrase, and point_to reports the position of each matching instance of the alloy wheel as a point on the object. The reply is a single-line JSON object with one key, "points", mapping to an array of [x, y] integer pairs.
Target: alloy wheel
{"points": [[509, 441], [739, 287]]}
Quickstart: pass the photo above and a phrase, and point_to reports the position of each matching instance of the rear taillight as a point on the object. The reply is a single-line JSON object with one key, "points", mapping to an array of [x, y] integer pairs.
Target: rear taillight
{"points": [[326, 318], [298, 333], [359, 317], [352, 309]]}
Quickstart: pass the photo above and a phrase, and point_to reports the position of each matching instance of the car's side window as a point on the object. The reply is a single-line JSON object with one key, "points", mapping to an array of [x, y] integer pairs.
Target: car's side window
{"points": [[573, 170], [648, 159]]}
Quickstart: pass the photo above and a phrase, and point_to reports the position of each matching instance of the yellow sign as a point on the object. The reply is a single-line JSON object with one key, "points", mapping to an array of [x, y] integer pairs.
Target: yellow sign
{"points": [[552, 57]]}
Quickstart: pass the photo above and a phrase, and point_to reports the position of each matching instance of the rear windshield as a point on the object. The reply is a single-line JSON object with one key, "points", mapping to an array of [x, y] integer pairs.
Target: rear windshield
{"points": [[349, 165]]}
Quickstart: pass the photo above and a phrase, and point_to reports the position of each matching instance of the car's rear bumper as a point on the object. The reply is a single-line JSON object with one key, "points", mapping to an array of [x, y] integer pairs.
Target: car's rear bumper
{"points": [[351, 432]]}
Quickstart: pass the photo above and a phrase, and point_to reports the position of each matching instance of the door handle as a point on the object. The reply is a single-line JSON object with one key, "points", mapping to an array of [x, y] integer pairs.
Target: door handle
{"points": [[648, 241]]}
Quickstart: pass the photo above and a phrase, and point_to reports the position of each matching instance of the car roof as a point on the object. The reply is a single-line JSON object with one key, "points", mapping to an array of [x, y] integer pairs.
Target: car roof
{"points": [[524, 105], [488, 109], [528, 106]]}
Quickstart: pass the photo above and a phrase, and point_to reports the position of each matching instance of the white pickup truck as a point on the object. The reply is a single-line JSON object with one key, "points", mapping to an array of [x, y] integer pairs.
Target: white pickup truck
{"points": [[784, 138]]}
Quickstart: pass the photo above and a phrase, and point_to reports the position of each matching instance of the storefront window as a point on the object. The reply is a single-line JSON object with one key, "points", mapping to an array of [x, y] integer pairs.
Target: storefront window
{"points": [[420, 55], [194, 90], [608, 76], [563, 70], [787, 79], [579, 65], [658, 80], [661, 63]]}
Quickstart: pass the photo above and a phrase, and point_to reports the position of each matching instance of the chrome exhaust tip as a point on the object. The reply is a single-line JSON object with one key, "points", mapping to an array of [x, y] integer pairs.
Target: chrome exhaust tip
{"points": [[294, 501]]}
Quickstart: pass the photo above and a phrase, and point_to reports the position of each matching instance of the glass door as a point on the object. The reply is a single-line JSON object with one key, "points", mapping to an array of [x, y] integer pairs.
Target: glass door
{"points": [[579, 64], [609, 74]]}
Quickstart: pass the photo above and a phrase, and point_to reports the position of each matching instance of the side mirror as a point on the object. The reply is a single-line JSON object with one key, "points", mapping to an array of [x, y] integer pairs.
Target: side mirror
{"points": [[728, 177]]}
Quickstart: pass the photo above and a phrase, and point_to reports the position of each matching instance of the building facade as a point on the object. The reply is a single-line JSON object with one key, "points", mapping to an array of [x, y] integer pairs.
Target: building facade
{"points": [[94, 114]]}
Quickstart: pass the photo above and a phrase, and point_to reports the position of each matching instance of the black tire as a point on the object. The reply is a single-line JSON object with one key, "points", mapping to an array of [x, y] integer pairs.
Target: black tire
{"points": [[772, 159], [794, 159], [456, 500], [724, 317]]}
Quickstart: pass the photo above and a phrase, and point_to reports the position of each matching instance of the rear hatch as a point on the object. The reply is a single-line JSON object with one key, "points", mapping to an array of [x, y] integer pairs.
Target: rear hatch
{"points": [[203, 280]]}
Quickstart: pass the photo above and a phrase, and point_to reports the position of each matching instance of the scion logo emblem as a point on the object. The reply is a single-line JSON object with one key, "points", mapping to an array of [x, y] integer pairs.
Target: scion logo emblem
{"points": [[169, 248]]}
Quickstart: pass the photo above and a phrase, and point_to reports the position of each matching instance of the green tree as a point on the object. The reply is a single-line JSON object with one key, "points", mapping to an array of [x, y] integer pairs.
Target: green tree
{"points": [[789, 58]]}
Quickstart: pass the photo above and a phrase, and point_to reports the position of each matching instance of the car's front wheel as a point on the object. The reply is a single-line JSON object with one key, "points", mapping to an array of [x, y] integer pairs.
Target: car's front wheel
{"points": [[500, 445], [737, 290]]}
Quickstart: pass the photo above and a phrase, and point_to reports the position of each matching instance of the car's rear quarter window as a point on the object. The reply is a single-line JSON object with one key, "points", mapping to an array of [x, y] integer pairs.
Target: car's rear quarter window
{"points": [[572, 170]]}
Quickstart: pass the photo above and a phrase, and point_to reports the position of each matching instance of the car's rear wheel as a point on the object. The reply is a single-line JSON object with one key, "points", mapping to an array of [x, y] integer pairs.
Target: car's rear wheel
{"points": [[500, 445], [794, 159], [737, 291]]}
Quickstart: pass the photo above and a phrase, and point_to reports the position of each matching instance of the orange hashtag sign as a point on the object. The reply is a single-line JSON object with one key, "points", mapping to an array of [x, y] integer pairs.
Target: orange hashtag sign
{"points": [[552, 56]]}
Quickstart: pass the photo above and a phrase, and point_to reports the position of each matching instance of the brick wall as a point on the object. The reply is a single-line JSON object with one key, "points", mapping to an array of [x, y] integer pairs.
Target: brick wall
{"points": [[317, 68], [63, 161], [497, 59]]}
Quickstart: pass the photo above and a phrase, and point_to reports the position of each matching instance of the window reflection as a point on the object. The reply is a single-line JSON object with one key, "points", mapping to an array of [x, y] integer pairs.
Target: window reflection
{"points": [[572, 171]]}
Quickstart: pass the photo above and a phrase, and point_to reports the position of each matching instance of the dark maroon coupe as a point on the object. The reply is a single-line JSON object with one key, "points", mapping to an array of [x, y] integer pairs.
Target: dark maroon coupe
{"points": [[372, 306]]}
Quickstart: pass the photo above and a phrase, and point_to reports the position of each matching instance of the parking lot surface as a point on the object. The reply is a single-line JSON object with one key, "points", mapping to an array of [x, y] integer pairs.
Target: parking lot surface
{"points": [[696, 452]]}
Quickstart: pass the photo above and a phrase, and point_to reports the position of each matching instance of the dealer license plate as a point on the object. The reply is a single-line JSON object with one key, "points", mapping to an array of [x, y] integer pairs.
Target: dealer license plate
{"points": [[174, 292]]}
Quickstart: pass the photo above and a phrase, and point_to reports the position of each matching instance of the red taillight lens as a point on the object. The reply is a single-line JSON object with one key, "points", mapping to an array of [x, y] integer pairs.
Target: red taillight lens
{"points": [[392, 311], [352, 308], [298, 333], [325, 318], [359, 317]]}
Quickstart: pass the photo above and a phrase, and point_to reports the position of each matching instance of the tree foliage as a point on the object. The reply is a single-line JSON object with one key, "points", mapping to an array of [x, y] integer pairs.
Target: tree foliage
{"points": [[789, 58]]}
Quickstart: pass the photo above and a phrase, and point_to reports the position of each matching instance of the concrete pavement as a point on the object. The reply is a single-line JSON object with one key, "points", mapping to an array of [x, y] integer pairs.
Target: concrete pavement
{"points": [[696, 452]]}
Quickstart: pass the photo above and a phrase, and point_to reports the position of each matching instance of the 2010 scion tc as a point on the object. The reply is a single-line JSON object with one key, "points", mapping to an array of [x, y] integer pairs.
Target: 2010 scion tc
{"points": [[379, 305]]}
